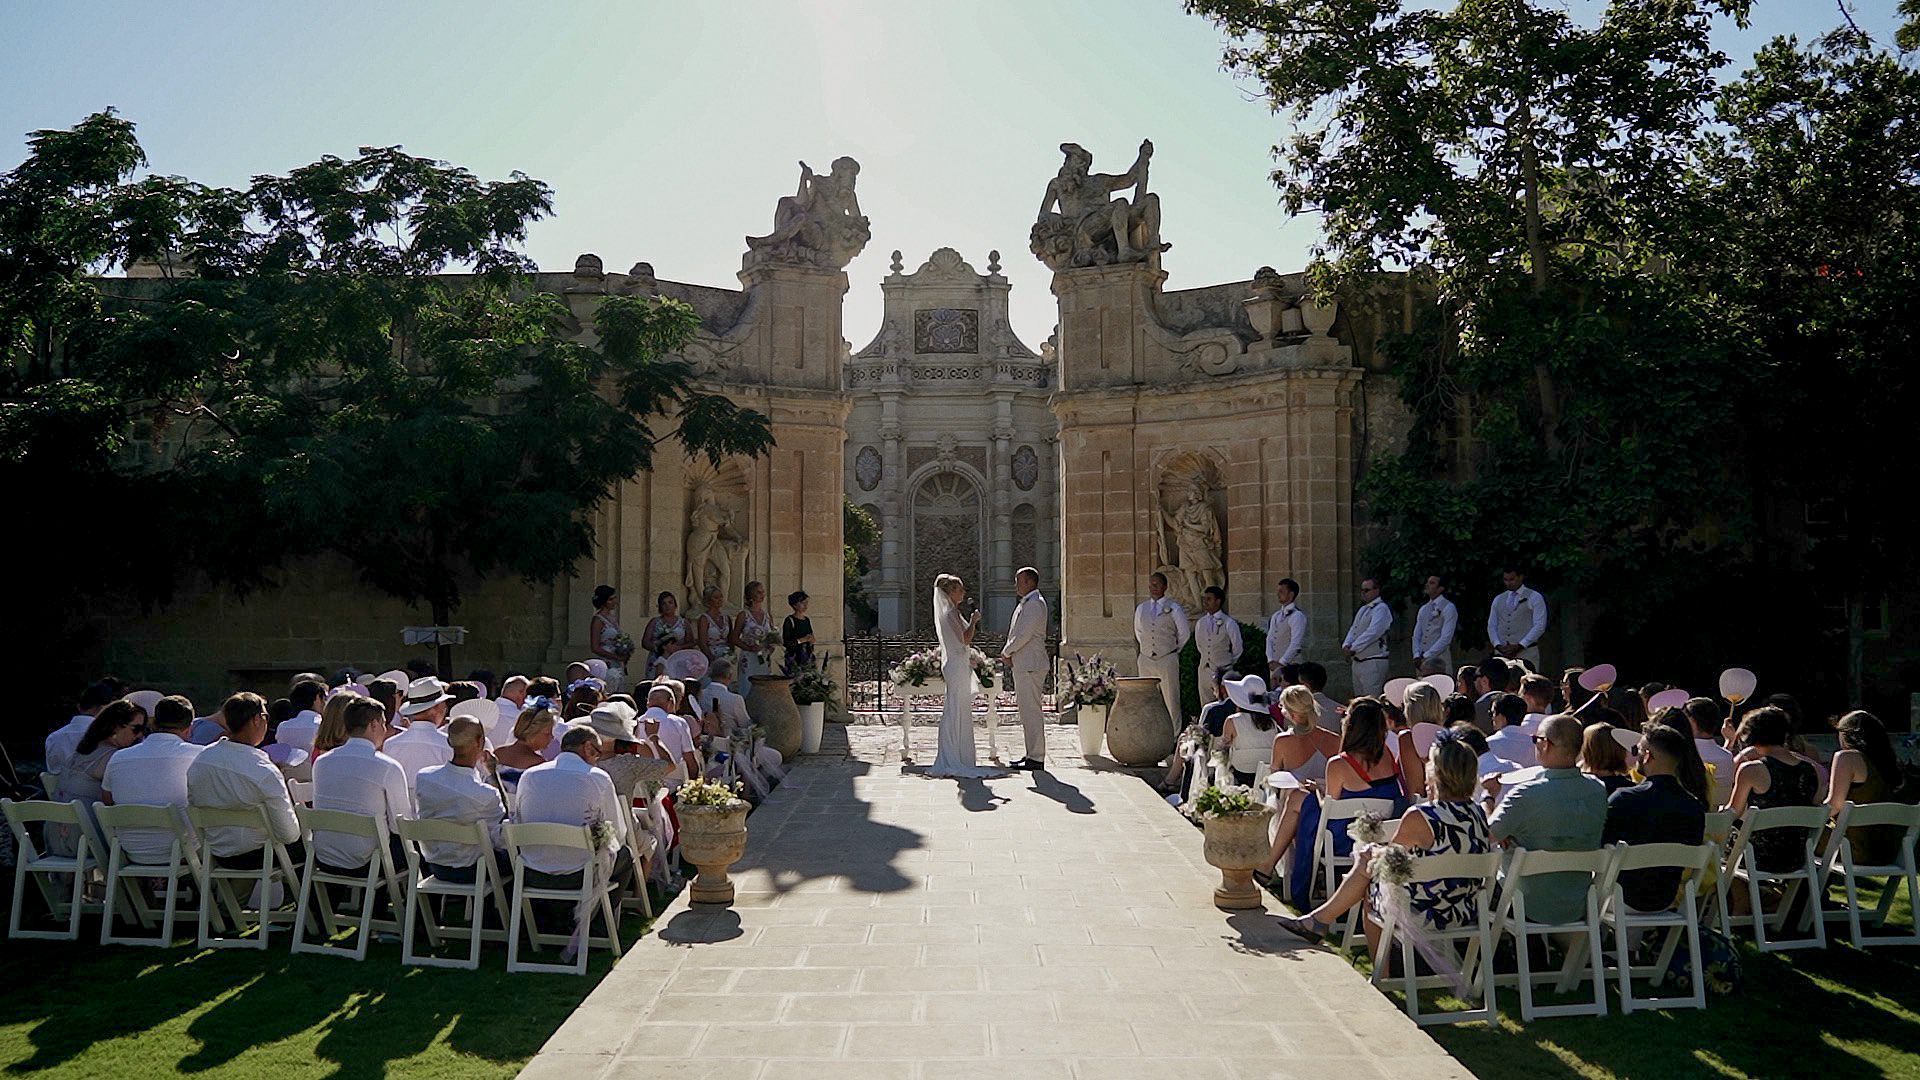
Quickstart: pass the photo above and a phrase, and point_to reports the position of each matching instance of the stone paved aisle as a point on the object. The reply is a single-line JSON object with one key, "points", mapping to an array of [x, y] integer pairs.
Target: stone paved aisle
{"points": [[1057, 925]]}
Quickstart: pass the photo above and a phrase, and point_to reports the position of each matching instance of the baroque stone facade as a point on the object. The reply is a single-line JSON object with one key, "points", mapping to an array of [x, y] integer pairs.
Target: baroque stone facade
{"points": [[950, 444]]}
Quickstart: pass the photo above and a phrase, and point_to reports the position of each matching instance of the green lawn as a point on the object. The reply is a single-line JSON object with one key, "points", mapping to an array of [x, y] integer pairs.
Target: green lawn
{"points": [[81, 1010]]}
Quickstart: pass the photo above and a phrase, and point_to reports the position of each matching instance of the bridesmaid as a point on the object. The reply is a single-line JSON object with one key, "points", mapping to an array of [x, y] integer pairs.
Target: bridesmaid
{"points": [[751, 631], [663, 630], [603, 630], [713, 632]]}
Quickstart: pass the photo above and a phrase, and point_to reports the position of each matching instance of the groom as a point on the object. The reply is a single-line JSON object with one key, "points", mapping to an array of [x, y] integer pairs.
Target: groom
{"points": [[1026, 654]]}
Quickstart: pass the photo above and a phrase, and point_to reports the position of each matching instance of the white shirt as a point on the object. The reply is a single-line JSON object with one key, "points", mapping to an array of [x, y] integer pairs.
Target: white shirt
{"points": [[1289, 624], [64, 741], [501, 733], [1504, 605], [299, 731], [359, 779], [677, 736], [1433, 627], [1514, 744], [567, 791], [152, 772], [1158, 639], [1367, 636], [231, 775], [1492, 764], [1531, 725], [1711, 753], [457, 793], [422, 746], [731, 707], [1219, 635]]}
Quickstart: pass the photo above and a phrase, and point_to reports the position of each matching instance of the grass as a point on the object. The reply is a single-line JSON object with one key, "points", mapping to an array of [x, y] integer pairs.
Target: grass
{"points": [[78, 1009], [1836, 1013]]}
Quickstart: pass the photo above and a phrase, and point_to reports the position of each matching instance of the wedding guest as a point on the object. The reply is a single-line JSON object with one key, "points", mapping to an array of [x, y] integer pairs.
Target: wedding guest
{"points": [[1517, 619], [1459, 710], [1537, 691], [664, 633], [1769, 775], [1303, 750], [387, 693], [1365, 645], [673, 732], [421, 669], [1562, 809], [1161, 630], [1603, 758], [1248, 736], [513, 697], [356, 777], [1668, 807], [1286, 630], [604, 635], [459, 792], [422, 745], [533, 732], [583, 697], [796, 634], [465, 690], [119, 725], [153, 772], [332, 732], [578, 671], [235, 774], [1572, 693], [1448, 823], [1364, 769], [571, 790], [1701, 717], [1490, 764], [1490, 680], [298, 732], [1865, 770], [1627, 703], [60, 744], [730, 710], [1433, 628], [1510, 739], [1314, 677]]}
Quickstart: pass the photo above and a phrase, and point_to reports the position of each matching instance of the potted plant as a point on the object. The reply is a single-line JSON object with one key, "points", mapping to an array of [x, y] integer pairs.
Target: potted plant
{"points": [[1091, 684], [713, 836], [1236, 843], [813, 688]]}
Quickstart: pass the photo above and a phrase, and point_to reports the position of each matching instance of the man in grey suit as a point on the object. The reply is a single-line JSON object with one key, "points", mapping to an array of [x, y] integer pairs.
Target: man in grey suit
{"points": [[1026, 653]]}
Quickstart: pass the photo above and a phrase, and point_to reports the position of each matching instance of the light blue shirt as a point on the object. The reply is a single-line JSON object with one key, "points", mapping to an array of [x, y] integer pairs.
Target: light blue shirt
{"points": [[1560, 810]]}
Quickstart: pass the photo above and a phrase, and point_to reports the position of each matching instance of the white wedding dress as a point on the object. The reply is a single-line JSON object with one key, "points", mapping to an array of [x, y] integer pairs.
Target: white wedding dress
{"points": [[956, 749]]}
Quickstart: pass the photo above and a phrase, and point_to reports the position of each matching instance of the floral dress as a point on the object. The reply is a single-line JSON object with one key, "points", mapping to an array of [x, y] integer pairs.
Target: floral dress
{"points": [[1459, 828]]}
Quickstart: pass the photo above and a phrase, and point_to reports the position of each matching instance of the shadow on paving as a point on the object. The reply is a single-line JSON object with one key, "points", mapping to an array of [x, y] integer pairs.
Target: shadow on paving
{"points": [[820, 828]]}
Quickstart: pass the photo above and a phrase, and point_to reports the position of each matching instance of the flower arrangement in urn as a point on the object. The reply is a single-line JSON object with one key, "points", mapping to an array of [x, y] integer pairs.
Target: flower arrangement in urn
{"points": [[1236, 842], [713, 836], [813, 684], [1091, 681], [708, 793], [918, 668]]}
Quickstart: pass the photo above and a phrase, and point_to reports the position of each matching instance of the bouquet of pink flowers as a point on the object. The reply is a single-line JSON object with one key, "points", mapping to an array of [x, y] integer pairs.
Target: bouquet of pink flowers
{"points": [[1091, 681]]}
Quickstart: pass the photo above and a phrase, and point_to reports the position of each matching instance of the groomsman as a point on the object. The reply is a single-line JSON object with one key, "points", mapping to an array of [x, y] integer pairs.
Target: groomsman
{"points": [[1366, 642], [1160, 627], [1433, 630], [1517, 619], [1217, 637], [1286, 631], [1025, 654]]}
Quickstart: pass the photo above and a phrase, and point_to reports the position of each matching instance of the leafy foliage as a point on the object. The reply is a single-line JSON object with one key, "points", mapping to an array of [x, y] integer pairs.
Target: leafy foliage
{"points": [[858, 532]]}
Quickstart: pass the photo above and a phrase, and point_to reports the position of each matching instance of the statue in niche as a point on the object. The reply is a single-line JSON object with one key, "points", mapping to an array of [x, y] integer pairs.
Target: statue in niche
{"points": [[820, 224], [1091, 229], [1191, 556], [714, 545]]}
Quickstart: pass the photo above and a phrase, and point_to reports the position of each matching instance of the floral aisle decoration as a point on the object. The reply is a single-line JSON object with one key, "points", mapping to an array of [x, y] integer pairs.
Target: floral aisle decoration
{"points": [[814, 684], [918, 669], [1217, 800], [1235, 825], [713, 835], [983, 668], [605, 840], [1091, 681]]}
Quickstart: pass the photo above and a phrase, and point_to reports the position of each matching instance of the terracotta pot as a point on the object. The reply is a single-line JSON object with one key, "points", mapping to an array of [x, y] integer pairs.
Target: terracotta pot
{"points": [[1093, 729], [770, 704], [813, 725], [1237, 845], [1139, 731], [712, 838]]}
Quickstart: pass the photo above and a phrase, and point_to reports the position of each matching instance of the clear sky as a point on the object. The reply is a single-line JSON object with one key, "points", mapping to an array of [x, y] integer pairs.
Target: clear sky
{"points": [[668, 131]]}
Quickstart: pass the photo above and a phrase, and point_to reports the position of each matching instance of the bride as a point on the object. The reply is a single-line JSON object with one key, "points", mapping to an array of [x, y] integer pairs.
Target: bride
{"points": [[955, 758]]}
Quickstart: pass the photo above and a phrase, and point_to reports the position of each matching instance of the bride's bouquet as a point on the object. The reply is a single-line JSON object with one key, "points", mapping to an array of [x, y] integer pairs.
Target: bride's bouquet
{"points": [[982, 668]]}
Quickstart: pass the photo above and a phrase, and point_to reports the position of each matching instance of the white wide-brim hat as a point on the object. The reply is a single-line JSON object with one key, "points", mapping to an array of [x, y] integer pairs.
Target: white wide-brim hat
{"points": [[614, 720], [144, 700], [424, 694], [1249, 693], [687, 665], [398, 678]]}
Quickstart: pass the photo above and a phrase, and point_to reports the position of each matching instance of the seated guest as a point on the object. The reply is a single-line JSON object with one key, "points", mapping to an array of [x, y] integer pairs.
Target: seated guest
{"points": [[730, 710], [207, 730], [1537, 690], [1423, 705], [1364, 769], [1668, 807], [387, 693], [1213, 720], [119, 725], [1864, 771], [583, 697], [673, 732], [422, 745], [356, 777], [1459, 710], [153, 772], [1450, 823], [1249, 732], [332, 732], [1571, 692], [459, 792], [1303, 751], [299, 732], [60, 744], [1626, 701], [235, 774], [620, 742], [513, 697], [570, 790], [1771, 775], [533, 732], [1703, 717], [1314, 678], [1491, 680], [1510, 740], [1603, 758], [1562, 809], [1486, 761]]}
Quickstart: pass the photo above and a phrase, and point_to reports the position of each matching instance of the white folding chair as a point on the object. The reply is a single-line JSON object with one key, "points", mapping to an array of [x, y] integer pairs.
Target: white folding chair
{"points": [[485, 893], [32, 862], [365, 881], [126, 873], [591, 894], [1742, 865], [1839, 858], [1469, 948], [300, 791], [1513, 919], [1329, 865], [216, 882], [645, 846], [1680, 920]]}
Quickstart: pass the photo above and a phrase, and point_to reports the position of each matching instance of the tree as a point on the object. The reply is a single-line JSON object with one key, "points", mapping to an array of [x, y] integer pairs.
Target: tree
{"points": [[859, 531], [313, 382]]}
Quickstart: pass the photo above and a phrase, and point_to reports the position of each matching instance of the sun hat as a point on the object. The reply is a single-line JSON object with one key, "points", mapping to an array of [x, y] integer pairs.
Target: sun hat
{"points": [[1249, 693], [687, 665], [614, 720], [424, 694]]}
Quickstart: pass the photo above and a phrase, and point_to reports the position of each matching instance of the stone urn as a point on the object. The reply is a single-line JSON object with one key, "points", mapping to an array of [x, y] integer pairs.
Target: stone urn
{"points": [[712, 838], [1139, 731], [1092, 721], [1317, 317], [770, 703], [1237, 844]]}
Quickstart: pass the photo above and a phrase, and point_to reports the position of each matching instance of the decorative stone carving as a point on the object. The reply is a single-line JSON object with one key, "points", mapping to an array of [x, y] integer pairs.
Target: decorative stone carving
{"points": [[1091, 229], [1188, 535], [1026, 468], [589, 266], [716, 545], [866, 468], [820, 224], [945, 264], [946, 330]]}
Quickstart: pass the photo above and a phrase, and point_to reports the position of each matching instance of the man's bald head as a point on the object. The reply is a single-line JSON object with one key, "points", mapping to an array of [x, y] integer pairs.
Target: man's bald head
{"points": [[1559, 746]]}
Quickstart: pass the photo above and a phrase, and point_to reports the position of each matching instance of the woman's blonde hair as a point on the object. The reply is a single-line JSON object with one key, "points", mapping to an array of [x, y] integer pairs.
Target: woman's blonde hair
{"points": [[1454, 767], [1423, 705], [332, 732], [1302, 711], [946, 583], [530, 722]]}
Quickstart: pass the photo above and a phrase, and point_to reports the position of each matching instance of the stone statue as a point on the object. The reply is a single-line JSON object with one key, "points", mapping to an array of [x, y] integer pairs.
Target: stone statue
{"points": [[713, 544], [1091, 229], [1196, 533], [820, 224]]}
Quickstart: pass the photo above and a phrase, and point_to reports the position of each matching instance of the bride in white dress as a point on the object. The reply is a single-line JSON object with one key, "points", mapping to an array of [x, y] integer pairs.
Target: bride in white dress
{"points": [[955, 757]]}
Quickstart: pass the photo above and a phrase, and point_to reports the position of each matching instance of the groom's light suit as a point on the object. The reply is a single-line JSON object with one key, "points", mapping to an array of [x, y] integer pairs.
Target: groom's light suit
{"points": [[1026, 653]]}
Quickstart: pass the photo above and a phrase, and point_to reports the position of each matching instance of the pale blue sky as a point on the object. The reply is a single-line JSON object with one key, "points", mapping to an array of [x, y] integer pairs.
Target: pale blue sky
{"points": [[669, 130]]}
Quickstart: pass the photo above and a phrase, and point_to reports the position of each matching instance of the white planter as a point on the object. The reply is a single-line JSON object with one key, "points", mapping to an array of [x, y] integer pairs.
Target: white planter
{"points": [[813, 723], [1093, 729]]}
